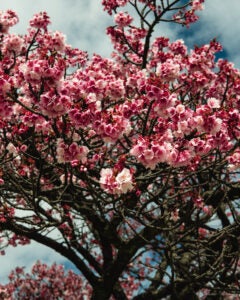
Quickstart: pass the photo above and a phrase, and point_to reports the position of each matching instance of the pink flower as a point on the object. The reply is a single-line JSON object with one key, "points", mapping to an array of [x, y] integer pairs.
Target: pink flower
{"points": [[4, 85], [124, 181], [71, 153], [107, 181], [12, 149], [180, 158], [234, 160], [13, 43], [212, 124], [54, 105], [111, 5], [151, 153], [169, 70], [119, 184], [202, 232], [58, 40], [197, 4], [213, 102], [40, 20], [5, 109], [198, 202], [207, 209], [199, 146], [7, 19], [175, 215], [123, 19], [112, 126]]}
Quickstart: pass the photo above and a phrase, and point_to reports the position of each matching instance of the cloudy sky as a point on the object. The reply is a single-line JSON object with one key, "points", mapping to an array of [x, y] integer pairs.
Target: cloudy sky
{"points": [[83, 22]]}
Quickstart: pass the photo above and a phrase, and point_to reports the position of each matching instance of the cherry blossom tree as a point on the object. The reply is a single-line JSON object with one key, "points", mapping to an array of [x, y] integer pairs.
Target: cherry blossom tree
{"points": [[128, 166]]}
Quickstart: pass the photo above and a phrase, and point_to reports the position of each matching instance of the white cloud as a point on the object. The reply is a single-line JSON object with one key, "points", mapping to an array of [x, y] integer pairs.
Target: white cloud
{"points": [[222, 19], [83, 22], [26, 256]]}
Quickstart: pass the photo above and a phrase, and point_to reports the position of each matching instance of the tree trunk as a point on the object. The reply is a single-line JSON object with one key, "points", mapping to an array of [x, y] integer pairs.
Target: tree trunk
{"points": [[101, 292]]}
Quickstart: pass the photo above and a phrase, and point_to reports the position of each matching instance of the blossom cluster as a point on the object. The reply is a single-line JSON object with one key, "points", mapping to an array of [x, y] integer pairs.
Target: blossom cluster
{"points": [[104, 99], [7, 19], [40, 21], [67, 153], [119, 183], [45, 283]]}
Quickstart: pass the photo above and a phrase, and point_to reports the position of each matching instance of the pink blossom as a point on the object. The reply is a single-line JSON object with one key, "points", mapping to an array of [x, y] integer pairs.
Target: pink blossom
{"points": [[169, 70], [40, 21], [202, 232], [124, 181], [234, 160], [81, 118], [178, 47], [13, 43], [207, 209], [5, 85], [198, 202], [213, 103], [7, 19], [175, 215], [123, 19], [121, 183], [107, 181], [111, 5], [179, 158], [6, 109], [45, 282], [54, 105], [69, 153], [151, 153], [197, 4], [112, 127], [212, 124], [12, 149], [58, 41], [199, 146]]}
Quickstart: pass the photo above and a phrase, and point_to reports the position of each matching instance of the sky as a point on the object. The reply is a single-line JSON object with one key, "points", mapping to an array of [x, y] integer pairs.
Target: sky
{"points": [[84, 22]]}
